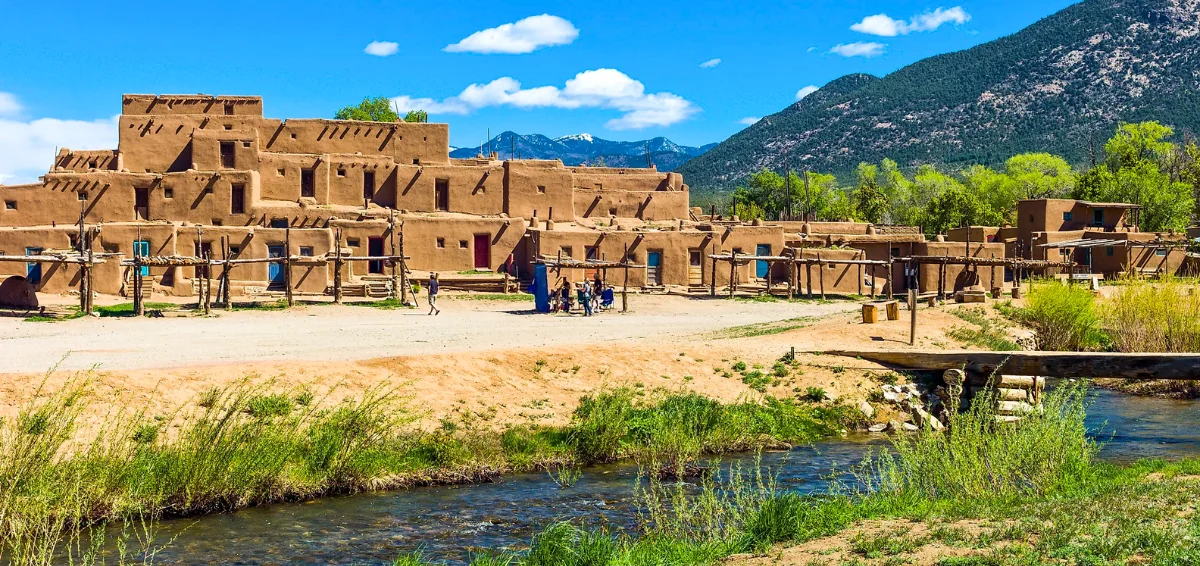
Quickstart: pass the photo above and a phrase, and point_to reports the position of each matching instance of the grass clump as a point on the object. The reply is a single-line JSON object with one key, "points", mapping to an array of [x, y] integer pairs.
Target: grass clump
{"points": [[1154, 317], [986, 333], [1064, 317]]}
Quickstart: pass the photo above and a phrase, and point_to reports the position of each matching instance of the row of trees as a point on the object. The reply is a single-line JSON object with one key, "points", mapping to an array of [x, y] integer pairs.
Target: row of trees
{"points": [[1140, 166], [378, 109]]}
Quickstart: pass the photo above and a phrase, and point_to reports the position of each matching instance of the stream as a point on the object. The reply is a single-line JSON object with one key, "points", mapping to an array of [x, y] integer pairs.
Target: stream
{"points": [[449, 523]]}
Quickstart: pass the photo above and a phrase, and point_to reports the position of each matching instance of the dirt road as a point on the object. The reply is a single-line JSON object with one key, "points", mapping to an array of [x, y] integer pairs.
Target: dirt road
{"points": [[323, 333]]}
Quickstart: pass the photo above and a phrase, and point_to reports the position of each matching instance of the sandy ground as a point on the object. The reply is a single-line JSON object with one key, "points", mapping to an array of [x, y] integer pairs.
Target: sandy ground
{"points": [[478, 360]]}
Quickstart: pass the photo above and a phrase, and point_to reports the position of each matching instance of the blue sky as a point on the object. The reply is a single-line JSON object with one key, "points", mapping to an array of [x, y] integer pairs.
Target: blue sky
{"points": [[623, 72]]}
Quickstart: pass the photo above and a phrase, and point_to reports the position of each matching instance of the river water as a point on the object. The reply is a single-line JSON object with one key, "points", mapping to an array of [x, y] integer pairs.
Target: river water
{"points": [[449, 523]]}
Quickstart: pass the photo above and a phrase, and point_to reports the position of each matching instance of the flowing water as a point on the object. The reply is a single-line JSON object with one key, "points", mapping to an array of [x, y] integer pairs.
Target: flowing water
{"points": [[449, 523]]}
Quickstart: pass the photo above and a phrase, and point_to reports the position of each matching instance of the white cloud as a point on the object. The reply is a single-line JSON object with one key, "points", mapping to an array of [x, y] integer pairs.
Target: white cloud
{"points": [[883, 25], [599, 88], [858, 49], [9, 105], [710, 63], [749, 120], [806, 91], [523, 36], [27, 148], [382, 48]]}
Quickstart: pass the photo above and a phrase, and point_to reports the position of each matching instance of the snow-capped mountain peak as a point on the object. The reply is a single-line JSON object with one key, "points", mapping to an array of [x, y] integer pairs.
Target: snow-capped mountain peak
{"points": [[577, 137]]}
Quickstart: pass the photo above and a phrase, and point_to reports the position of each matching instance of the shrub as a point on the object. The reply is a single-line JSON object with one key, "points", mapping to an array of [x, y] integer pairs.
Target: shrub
{"points": [[1063, 317], [1154, 317], [815, 394]]}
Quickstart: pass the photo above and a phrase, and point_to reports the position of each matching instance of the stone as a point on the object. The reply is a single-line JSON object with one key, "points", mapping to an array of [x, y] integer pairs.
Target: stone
{"points": [[867, 410], [894, 426], [909, 427], [935, 424], [891, 396], [878, 427], [919, 416]]}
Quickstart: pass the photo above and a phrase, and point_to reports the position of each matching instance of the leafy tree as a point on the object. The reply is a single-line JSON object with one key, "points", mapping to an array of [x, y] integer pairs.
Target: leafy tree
{"points": [[995, 189], [868, 199], [1040, 175], [1135, 143], [416, 116], [376, 109]]}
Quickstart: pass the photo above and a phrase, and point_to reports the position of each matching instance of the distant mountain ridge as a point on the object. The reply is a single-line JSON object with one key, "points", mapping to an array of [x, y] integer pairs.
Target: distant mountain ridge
{"points": [[1060, 85], [586, 149]]}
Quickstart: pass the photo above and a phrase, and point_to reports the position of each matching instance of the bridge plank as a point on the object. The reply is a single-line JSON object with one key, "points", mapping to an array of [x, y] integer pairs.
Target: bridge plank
{"points": [[1142, 366]]}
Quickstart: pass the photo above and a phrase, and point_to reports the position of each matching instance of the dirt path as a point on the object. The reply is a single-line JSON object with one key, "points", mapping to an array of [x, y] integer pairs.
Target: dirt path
{"points": [[347, 333]]}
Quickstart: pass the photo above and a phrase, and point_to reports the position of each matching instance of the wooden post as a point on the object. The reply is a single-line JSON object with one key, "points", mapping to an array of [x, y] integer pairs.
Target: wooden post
{"points": [[732, 273], [887, 282], [808, 277], [404, 284], [993, 284], [873, 279], [207, 284], [395, 291], [712, 275], [225, 291], [912, 313], [860, 274], [337, 266], [287, 263], [91, 259], [625, 285], [791, 275], [770, 272], [139, 309], [821, 273]]}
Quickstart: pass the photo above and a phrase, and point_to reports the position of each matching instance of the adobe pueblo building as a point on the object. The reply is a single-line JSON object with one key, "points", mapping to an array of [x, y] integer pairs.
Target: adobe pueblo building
{"points": [[199, 180]]}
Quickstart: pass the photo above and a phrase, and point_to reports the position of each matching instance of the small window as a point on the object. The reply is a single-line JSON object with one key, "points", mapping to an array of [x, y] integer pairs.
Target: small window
{"points": [[1066, 217], [612, 212], [567, 251], [81, 195], [425, 138], [92, 163], [234, 250], [228, 126], [441, 242], [279, 222], [416, 161], [281, 172], [1108, 251], [1161, 252], [895, 252], [306, 251], [341, 172], [293, 136], [218, 222], [462, 244], [541, 189], [599, 186], [1064, 252], [10, 205], [168, 192], [245, 144], [229, 109], [352, 242]]}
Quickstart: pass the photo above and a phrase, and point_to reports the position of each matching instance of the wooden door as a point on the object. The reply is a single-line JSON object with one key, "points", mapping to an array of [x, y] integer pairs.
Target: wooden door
{"points": [[761, 267], [141, 204], [442, 194], [227, 155], [695, 267], [275, 269], [33, 271], [654, 267], [141, 248], [483, 251]]}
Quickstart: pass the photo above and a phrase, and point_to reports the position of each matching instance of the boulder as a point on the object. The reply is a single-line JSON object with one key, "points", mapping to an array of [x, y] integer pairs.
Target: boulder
{"points": [[909, 427], [878, 427], [867, 410], [894, 426]]}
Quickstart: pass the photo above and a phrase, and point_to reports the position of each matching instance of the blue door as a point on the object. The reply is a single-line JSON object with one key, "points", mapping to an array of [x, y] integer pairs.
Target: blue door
{"points": [[33, 271], [275, 269], [760, 269], [654, 267], [141, 248]]}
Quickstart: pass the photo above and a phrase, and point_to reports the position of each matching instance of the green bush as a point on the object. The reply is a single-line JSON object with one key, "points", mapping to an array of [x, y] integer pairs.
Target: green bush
{"points": [[1064, 317], [1162, 316]]}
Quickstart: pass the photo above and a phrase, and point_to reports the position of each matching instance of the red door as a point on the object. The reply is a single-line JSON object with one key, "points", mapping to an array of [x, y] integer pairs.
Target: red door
{"points": [[483, 251]]}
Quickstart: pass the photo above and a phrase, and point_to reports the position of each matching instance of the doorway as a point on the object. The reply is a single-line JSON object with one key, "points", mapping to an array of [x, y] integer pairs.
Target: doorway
{"points": [[1098, 217], [654, 267], [441, 193], [141, 248], [761, 267], [227, 155], [141, 204], [695, 267], [33, 271], [375, 248], [275, 268], [483, 251]]}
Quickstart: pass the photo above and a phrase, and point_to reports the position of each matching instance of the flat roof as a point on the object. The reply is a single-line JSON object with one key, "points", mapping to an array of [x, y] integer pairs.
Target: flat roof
{"points": [[1108, 204]]}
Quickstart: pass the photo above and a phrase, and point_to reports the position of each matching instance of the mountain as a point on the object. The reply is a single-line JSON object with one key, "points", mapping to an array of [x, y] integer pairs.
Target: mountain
{"points": [[580, 149], [1060, 85]]}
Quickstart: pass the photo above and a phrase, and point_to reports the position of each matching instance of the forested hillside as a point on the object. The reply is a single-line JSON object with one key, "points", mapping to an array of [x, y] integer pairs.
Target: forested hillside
{"points": [[1060, 86]]}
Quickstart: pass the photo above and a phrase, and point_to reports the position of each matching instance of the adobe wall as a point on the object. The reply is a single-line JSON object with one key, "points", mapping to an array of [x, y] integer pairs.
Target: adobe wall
{"points": [[645, 205], [86, 160], [56, 278], [477, 189], [544, 187], [174, 104], [928, 273], [405, 142]]}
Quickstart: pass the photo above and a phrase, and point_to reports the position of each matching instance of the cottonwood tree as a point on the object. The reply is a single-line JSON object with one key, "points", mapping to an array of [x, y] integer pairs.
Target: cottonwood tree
{"points": [[371, 109]]}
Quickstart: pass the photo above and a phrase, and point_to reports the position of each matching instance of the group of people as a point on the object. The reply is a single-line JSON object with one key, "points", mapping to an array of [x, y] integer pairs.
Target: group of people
{"points": [[591, 297]]}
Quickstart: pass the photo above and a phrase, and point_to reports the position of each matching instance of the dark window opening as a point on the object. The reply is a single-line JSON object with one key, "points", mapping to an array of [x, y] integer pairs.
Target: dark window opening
{"points": [[307, 189], [441, 242], [1108, 251], [375, 248], [234, 251], [229, 109], [542, 189], [416, 161], [141, 203], [462, 244], [1066, 217], [228, 127], [168, 192], [246, 144], [341, 172], [81, 195], [237, 199], [279, 222], [352, 242], [567, 251], [895, 252], [10, 205], [442, 194], [368, 184], [227, 155], [306, 251]]}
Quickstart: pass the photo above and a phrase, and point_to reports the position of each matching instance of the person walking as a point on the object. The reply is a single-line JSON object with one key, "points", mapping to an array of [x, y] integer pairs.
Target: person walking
{"points": [[433, 293]]}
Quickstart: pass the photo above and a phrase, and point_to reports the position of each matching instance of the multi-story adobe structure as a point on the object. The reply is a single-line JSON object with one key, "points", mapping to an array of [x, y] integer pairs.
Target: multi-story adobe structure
{"points": [[192, 171]]}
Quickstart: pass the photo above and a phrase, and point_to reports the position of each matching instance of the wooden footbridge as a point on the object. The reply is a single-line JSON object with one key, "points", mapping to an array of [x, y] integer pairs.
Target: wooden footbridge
{"points": [[980, 365]]}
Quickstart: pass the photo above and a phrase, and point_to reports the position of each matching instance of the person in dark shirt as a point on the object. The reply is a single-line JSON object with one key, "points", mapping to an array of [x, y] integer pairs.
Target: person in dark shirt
{"points": [[433, 293]]}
